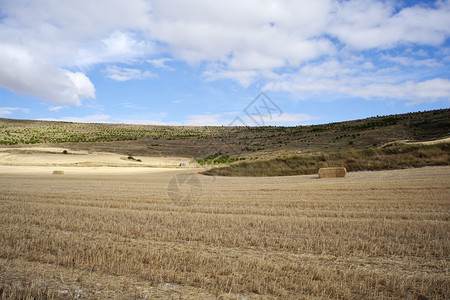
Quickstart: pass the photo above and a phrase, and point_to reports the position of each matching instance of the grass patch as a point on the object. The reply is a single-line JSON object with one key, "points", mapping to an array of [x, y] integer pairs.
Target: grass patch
{"points": [[218, 158], [370, 159]]}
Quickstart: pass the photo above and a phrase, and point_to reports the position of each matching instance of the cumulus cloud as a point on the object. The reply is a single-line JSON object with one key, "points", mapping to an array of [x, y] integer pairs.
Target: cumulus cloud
{"points": [[244, 36], [331, 79], [380, 24], [22, 72], [259, 36], [48, 46], [117, 47], [125, 74], [412, 91], [45, 45]]}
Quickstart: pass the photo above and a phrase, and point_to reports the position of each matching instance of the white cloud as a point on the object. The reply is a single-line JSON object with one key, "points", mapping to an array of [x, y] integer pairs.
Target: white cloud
{"points": [[244, 77], [413, 91], [205, 120], [283, 119], [22, 72], [160, 63], [409, 61], [222, 119], [132, 106], [148, 119], [47, 45], [5, 111], [327, 69], [42, 42], [55, 108], [147, 122], [118, 47], [58, 30], [354, 78], [417, 92], [246, 38], [250, 39], [420, 52], [100, 118], [375, 24], [125, 74]]}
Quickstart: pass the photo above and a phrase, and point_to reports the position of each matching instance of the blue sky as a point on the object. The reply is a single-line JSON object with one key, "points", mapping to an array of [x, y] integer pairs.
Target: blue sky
{"points": [[202, 62]]}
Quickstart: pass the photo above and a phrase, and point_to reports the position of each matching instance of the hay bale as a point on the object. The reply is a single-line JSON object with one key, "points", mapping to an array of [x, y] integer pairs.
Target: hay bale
{"points": [[57, 172], [332, 172]]}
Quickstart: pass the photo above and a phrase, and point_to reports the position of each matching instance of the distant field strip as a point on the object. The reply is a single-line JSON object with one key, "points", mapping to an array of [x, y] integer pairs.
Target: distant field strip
{"points": [[369, 235]]}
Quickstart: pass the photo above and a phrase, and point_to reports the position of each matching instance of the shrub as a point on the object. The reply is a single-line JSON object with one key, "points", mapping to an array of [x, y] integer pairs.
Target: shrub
{"points": [[352, 160]]}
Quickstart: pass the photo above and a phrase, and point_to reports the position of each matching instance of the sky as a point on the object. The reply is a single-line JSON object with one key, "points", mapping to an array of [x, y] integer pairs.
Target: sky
{"points": [[197, 62]]}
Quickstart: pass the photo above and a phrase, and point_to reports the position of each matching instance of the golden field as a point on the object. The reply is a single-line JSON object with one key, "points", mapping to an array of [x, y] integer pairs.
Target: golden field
{"points": [[382, 234]]}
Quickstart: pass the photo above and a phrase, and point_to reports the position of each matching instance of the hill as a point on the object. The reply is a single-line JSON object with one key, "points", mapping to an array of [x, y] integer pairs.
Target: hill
{"points": [[243, 141], [395, 156], [212, 142]]}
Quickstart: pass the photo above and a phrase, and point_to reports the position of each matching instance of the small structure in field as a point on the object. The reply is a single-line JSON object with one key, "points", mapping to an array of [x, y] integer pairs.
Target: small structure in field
{"points": [[183, 164], [332, 172], [58, 172]]}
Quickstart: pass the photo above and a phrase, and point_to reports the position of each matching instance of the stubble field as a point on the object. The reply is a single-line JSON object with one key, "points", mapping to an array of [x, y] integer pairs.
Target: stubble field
{"points": [[370, 235]]}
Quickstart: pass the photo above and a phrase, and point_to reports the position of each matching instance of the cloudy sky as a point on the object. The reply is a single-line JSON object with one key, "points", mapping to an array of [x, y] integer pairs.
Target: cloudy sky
{"points": [[202, 62]]}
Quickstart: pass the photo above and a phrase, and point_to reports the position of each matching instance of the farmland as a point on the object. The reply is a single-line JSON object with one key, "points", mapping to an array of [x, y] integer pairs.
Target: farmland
{"points": [[145, 212], [249, 143], [369, 235]]}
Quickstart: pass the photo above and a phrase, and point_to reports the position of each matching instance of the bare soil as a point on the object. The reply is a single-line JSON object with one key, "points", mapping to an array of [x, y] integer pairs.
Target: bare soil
{"points": [[43, 160]]}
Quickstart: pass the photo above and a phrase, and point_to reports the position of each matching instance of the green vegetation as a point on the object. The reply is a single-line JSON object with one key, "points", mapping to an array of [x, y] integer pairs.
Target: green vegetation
{"points": [[395, 157], [87, 133], [218, 158], [236, 142], [387, 121]]}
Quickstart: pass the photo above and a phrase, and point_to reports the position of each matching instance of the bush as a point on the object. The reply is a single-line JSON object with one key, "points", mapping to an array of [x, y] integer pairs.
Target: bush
{"points": [[396, 157]]}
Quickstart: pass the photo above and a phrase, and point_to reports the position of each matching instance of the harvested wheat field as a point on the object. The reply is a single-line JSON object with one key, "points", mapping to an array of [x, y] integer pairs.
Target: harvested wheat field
{"points": [[369, 235]]}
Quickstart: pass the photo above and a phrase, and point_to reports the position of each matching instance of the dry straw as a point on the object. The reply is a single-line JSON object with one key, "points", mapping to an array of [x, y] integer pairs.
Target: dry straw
{"points": [[58, 172], [332, 172], [262, 239]]}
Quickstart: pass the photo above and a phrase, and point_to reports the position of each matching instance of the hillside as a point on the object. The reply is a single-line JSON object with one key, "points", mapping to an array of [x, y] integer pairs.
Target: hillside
{"points": [[394, 156], [247, 143]]}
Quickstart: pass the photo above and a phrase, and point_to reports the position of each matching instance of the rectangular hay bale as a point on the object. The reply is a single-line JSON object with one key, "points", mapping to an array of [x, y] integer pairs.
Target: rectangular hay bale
{"points": [[332, 172], [58, 172]]}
